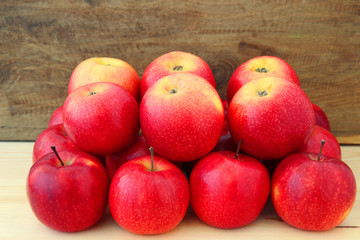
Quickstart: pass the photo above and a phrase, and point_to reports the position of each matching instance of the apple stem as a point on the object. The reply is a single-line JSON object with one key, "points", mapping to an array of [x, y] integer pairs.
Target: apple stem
{"points": [[237, 149], [321, 148], [262, 93], [57, 155], [172, 91], [152, 158], [261, 70], [177, 68]]}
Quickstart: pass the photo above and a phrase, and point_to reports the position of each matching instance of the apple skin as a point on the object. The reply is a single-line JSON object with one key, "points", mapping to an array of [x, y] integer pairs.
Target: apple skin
{"points": [[105, 69], [113, 161], [101, 118], [175, 62], [252, 70], [271, 126], [68, 198], [56, 117], [145, 202], [54, 135], [228, 192], [331, 148], [321, 118], [311, 194], [185, 125]]}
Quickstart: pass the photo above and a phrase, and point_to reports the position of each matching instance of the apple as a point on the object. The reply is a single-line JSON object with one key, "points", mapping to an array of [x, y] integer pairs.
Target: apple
{"points": [[56, 117], [175, 62], [54, 135], [137, 149], [272, 116], [259, 67], [105, 69], [182, 117], [225, 143], [321, 118], [312, 191], [101, 118], [148, 195], [331, 149], [228, 190], [67, 190]]}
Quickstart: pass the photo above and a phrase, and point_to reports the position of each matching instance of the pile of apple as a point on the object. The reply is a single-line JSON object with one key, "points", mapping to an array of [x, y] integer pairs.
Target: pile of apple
{"points": [[149, 148]]}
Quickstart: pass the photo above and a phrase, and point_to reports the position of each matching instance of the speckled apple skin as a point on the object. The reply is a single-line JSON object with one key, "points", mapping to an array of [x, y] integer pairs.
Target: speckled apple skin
{"points": [[137, 149], [105, 69], [331, 148], [246, 72], [163, 66], [54, 135], [185, 125], [228, 192], [103, 123], [313, 195], [272, 126], [320, 117], [68, 198], [145, 202], [56, 117]]}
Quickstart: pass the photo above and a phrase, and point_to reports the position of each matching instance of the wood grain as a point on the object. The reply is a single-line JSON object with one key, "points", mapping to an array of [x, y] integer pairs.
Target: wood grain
{"points": [[41, 43]]}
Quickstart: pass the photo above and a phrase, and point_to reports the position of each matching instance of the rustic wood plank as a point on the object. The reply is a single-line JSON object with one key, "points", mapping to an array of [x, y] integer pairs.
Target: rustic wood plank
{"points": [[41, 43]]}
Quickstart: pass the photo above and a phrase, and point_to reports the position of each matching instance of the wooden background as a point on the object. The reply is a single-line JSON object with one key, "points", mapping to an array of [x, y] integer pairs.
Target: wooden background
{"points": [[41, 43]]}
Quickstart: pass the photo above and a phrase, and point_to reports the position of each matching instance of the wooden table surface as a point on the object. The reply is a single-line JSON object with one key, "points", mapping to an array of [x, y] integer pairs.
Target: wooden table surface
{"points": [[18, 222]]}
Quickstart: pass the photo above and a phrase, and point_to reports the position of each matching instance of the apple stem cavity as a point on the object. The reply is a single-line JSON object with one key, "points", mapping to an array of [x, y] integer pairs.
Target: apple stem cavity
{"points": [[237, 149], [261, 70], [92, 93], [177, 68], [321, 148], [152, 159], [172, 91], [262, 93], [57, 155]]}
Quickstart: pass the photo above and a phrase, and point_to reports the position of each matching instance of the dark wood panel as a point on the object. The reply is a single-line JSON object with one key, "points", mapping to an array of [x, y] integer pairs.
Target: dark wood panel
{"points": [[41, 43]]}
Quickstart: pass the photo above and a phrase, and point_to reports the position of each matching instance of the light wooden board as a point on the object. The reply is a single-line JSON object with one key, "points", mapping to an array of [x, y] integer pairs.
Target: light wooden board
{"points": [[18, 222]]}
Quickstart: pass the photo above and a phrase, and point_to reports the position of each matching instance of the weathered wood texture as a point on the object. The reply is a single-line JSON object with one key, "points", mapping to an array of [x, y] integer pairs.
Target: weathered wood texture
{"points": [[41, 43]]}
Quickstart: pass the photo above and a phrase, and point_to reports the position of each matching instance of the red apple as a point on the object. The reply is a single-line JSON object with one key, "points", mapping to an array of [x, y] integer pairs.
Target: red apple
{"points": [[101, 118], [56, 117], [182, 117], [321, 118], [105, 69], [138, 149], [175, 62], [258, 67], [228, 191], [54, 135], [148, 197], [68, 195], [313, 192], [272, 116], [332, 147]]}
